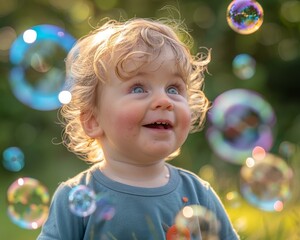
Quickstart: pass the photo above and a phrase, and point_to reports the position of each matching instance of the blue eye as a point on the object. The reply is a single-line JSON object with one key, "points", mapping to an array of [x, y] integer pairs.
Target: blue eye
{"points": [[172, 90], [137, 89]]}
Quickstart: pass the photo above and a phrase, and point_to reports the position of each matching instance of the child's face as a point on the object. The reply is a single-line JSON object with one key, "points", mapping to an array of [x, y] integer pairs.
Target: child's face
{"points": [[147, 117]]}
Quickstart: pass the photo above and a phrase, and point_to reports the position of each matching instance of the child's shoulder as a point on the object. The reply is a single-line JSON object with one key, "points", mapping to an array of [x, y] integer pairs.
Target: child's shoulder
{"points": [[82, 178]]}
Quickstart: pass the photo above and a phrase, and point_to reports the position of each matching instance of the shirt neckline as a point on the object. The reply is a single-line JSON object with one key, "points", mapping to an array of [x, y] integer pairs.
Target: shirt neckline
{"points": [[133, 190]]}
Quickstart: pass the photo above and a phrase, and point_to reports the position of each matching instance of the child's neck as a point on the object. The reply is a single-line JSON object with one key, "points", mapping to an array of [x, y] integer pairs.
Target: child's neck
{"points": [[148, 176]]}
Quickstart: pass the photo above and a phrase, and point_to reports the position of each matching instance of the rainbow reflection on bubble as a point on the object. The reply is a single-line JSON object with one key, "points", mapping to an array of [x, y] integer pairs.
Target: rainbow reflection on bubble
{"points": [[243, 66], [266, 183], [240, 120], [38, 73], [245, 16], [13, 159], [82, 201], [28, 203], [200, 222]]}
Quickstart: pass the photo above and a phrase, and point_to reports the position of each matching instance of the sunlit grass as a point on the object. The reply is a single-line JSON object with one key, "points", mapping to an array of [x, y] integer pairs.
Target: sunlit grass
{"points": [[255, 224]]}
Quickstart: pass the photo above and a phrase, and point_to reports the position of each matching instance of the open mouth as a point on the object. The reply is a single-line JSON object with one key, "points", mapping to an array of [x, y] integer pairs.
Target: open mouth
{"points": [[159, 125]]}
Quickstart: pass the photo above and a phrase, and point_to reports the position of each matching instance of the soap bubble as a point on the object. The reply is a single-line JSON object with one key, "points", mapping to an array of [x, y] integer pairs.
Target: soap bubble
{"points": [[245, 16], [38, 74], [244, 66], [13, 159], [28, 202], [266, 183], [240, 120], [82, 201], [105, 210], [200, 222]]}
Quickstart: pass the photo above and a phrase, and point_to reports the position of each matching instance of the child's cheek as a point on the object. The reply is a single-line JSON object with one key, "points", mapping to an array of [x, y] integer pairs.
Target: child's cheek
{"points": [[127, 120]]}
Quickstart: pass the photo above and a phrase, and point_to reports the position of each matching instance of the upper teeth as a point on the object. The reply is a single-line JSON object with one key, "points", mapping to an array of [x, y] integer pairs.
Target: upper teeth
{"points": [[165, 123]]}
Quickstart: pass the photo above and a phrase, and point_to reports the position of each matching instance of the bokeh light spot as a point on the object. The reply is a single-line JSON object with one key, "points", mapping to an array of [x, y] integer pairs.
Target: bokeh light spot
{"points": [[250, 162], [290, 11], [65, 97], [233, 199], [29, 36], [278, 206], [258, 153]]}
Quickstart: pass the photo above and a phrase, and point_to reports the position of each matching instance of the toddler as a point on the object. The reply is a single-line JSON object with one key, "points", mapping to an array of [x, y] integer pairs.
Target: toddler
{"points": [[136, 95]]}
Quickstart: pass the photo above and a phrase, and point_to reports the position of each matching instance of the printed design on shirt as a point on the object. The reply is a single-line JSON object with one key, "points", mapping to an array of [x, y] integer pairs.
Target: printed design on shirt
{"points": [[174, 232]]}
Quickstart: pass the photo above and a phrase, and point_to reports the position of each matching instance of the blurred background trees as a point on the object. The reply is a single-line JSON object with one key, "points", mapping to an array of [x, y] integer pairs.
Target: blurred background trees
{"points": [[274, 47]]}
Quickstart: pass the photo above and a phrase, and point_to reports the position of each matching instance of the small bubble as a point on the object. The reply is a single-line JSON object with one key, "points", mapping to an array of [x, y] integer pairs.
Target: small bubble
{"points": [[244, 66], [245, 16], [199, 221], [13, 159], [82, 201]]}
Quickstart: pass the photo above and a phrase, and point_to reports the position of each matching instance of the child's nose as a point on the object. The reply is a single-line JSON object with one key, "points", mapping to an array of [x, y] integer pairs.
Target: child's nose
{"points": [[162, 101]]}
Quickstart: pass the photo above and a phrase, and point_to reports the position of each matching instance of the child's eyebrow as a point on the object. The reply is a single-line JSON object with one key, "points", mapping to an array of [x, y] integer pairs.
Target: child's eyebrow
{"points": [[176, 74]]}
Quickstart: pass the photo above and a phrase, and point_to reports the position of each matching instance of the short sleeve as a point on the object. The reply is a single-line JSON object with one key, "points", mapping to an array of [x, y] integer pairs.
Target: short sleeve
{"points": [[61, 223]]}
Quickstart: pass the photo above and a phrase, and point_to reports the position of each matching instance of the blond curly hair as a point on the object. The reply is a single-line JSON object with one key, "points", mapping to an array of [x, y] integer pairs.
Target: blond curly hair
{"points": [[105, 49]]}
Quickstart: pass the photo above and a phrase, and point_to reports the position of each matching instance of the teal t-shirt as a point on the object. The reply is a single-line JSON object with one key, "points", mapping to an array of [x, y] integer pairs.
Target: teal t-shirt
{"points": [[126, 212]]}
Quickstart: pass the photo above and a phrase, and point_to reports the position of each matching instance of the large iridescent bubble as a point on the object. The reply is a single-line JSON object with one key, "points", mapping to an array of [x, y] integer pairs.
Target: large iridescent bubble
{"points": [[266, 183], [13, 159], [245, 16], [240, 120], [28, 202], [38, 75], [199, 222]]}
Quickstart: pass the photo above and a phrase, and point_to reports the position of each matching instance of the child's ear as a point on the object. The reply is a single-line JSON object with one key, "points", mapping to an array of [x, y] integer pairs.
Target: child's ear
{"points": [[90, 125]]}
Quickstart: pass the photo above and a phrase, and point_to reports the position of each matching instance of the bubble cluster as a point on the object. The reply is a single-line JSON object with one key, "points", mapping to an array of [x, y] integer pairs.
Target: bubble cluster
{"points": [[37, 76], [266, 183], [240, 120], [245, 16], [13, 159], [200, 222], [82, 201], [244, 66], [28, 203]]}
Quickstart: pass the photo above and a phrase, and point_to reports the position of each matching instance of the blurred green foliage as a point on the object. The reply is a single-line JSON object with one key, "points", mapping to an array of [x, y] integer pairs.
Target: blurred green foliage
{"points": [[275, 47]]}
